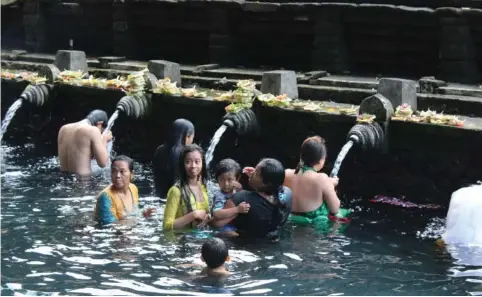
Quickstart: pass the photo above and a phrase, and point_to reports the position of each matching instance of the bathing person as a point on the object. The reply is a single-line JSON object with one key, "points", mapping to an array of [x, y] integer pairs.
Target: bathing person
{"points": [[166, 157], [227, 173], [187, 203], [215, 254], [464, 218], [78, 142], [270, 203], [120, 200], [314, 195]]}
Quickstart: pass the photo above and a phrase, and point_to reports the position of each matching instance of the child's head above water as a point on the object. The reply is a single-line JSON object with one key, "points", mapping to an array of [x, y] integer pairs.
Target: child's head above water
{"points": [[227, 172], [214, 253], [313, 153]]}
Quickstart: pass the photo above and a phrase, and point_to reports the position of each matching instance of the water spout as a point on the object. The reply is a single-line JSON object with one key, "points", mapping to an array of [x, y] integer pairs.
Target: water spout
{"points": [[244, 121], [214, 142], [34, 94], [9, 115], [367, 136]]}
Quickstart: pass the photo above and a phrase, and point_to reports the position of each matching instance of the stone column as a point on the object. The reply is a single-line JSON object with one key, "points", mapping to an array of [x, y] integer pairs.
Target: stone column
{"points": [[123, 41], [330, 51], [222, 45], [34, 24], [457, 55]]}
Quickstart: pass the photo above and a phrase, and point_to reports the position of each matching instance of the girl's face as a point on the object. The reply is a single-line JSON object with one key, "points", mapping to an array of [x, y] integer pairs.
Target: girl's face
{"points": [[226, 182], [189, 138], [121, 175], [193, 164]]}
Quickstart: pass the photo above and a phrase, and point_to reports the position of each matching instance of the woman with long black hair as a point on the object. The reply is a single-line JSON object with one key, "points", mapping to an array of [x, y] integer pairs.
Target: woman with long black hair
{"points": [[165, 164], [187, 203]]}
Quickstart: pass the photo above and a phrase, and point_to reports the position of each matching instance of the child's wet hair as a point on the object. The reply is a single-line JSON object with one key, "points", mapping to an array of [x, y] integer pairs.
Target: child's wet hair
{"points": [[227, 165], [312, 151], [214, 252]]}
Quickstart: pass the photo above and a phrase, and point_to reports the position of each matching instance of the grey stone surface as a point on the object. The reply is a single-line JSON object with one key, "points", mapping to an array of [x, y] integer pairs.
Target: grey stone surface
{"points": [[50, 72], [377, 105], [151, 80], [70, 60], [399, 91], [280, 82], [162, 69], [104, 61], [428, 84]]}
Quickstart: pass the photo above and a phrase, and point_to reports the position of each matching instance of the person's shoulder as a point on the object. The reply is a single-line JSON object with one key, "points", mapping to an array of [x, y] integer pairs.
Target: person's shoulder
{"points": [[174, 190]]}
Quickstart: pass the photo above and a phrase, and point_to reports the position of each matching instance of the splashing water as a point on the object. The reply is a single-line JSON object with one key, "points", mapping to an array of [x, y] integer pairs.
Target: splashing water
{"points": [[341, 156], [214, 142], [111, 121], [9, 115], [110, 124]]}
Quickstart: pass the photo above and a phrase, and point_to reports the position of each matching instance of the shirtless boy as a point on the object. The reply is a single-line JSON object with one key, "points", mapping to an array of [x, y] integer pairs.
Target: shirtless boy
{"points": [[79, 142]]}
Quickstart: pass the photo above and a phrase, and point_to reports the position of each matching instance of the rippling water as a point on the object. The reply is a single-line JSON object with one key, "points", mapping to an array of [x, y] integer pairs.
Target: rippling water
{"points": [[50, 247]]}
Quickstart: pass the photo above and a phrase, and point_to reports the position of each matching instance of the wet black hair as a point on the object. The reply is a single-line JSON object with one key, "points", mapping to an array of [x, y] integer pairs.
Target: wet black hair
{"points": [[312, 151], [183, 182], [124, 158], [227, 165], [214, 252], [272, 175], [177, 139], [98, 115]]}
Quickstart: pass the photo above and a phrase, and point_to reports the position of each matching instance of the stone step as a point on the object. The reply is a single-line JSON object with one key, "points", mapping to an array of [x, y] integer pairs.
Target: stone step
{"points": [[347, 82], [460, 90]]}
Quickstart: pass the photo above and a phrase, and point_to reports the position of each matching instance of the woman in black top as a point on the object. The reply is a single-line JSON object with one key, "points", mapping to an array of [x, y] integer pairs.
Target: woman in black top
{"points": [[269, 203], [166, 157]]}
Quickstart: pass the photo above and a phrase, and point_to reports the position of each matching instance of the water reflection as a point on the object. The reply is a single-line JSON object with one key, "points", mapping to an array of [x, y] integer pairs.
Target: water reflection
{"points": [[50, 246]]}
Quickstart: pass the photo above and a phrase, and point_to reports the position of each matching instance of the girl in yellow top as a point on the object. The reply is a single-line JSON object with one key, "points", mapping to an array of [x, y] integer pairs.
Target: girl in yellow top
{"points": [[121, 198], [187, 201]]}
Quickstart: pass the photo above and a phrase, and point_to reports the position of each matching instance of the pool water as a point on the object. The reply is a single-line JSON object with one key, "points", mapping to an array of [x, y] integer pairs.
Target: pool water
{"points": [[51, 247]]}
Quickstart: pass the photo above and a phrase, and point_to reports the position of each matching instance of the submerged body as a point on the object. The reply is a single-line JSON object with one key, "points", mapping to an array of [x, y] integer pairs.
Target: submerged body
{"points": [[79, 142]]}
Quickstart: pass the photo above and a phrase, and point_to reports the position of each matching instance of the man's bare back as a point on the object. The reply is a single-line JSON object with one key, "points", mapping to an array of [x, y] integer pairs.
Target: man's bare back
{"points": [[310, 189], [78, 143]]}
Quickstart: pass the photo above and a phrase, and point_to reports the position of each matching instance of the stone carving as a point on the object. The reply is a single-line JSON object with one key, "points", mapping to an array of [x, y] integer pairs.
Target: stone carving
{"points": [[162, 69]]}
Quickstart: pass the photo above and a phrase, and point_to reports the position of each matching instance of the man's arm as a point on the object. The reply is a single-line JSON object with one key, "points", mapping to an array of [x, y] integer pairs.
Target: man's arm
{"points": [[99, 147]]}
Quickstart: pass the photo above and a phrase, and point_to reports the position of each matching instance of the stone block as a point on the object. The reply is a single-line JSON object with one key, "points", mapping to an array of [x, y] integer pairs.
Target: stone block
{"points": [[104, 61], [377, 105], [50, 72], [428, 84], [162, 69], [280, 82], [70, 60], [399, 91]]}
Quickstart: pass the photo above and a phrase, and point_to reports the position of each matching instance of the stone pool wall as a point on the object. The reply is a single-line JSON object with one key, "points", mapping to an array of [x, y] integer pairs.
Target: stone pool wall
{"points": [[424, 162], [338, 37]]}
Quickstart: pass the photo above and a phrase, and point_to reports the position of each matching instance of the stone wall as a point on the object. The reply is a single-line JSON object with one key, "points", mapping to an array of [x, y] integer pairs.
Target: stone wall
{"points": [[424, 162], [364, 39]]}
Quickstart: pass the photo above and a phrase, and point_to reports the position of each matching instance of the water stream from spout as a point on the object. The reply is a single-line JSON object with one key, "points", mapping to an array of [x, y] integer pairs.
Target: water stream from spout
{"points": [[341, 156], [214, 141], [9, 115], [110, 124]]}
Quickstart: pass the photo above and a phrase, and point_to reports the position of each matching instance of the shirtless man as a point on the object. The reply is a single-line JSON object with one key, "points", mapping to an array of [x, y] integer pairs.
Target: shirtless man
{"points": [[79, 142], [314, 193]]}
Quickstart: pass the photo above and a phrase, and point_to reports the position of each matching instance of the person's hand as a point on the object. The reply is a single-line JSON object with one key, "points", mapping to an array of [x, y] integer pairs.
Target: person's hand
{"points": [[107, 136], [237, 186], [243, 207], [149, 212], [248, 171], [199, 215], [205, 221], [335, 181]]}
